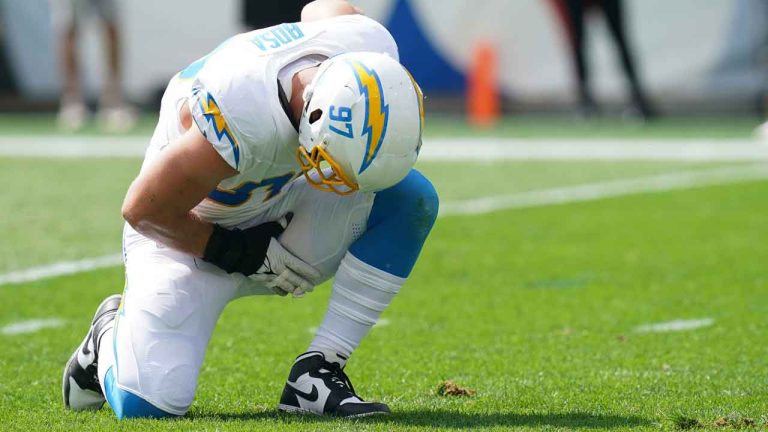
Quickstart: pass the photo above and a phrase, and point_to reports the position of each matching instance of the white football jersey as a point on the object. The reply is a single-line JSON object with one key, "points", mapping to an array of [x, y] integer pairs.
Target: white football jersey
{"points": [[234, 98]]}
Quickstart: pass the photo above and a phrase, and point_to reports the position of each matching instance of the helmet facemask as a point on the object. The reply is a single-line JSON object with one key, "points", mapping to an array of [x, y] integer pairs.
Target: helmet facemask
{"points": [[322, 172]]}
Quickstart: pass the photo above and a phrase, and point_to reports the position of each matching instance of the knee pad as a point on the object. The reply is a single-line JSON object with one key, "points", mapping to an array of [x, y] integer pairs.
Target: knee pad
{"points": [[400, 221], [126, 404]]}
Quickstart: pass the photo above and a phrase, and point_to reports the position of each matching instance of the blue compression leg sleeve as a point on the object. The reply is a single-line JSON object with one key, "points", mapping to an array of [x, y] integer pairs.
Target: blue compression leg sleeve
{"points": [[400, 221]]}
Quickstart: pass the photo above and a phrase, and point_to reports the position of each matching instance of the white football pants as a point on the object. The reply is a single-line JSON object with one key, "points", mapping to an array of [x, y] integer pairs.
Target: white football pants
{"points": [[172, 300]]}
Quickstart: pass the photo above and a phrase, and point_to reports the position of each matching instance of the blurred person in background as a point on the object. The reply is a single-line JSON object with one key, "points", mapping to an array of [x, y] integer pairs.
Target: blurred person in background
{"points": [[761, 132], [572, 14], [7, 78], [260, 14], [69, 17]]}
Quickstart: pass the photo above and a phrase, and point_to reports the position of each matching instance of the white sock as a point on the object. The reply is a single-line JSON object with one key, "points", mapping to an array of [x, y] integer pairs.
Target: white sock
{"points": [[360, 293], [106, 355]]}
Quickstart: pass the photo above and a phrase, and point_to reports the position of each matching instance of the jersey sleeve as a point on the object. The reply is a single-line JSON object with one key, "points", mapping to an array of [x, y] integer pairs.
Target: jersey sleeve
{"points": [[209, 112]]}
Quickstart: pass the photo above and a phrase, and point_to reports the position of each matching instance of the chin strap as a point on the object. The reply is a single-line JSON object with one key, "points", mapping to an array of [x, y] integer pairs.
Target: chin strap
{"points": [[286, 104]]}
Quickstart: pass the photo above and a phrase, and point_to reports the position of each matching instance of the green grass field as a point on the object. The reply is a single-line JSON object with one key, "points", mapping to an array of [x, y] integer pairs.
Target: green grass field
{"points": [[536, 309], [523, 126]]}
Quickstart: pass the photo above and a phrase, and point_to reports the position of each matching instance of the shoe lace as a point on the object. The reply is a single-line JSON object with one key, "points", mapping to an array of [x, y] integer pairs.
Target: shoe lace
{"points": [[338, 377]]}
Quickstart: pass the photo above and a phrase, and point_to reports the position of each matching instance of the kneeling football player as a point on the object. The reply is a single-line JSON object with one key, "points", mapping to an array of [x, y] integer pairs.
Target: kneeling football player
{"points": [[281, 159]]}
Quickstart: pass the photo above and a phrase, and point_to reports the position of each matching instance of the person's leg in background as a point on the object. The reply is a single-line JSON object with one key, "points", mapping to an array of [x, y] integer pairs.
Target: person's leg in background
{"points": [[114, 114], [614, 14], [575, 10], [67, 15]]}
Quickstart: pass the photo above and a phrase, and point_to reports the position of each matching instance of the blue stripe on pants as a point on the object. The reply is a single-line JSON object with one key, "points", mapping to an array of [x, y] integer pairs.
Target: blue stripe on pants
{"points": [[128, 405]]}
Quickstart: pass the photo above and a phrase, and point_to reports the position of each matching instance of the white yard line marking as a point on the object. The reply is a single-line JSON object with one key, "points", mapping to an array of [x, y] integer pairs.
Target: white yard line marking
{"points": [[495, 149], [673, 326], [607, 189], [536, 198], [54, 146], [31, 326], [437, 149], [60, 269]]}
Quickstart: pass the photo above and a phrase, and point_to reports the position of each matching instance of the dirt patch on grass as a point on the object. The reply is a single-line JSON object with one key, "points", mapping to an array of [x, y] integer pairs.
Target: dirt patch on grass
{"points": [[450, 388]]}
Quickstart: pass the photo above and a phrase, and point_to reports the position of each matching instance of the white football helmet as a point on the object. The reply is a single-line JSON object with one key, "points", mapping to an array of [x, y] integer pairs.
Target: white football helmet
{"points": [[362, 123]]}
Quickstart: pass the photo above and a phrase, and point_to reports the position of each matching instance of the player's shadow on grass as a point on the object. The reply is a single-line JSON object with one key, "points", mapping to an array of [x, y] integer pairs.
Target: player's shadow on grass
{"points": [[456, 420], [453, 420]]}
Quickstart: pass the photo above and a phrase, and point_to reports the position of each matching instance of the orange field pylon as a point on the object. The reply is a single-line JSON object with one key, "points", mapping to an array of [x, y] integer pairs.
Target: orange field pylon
{"points": [[483, 102]]}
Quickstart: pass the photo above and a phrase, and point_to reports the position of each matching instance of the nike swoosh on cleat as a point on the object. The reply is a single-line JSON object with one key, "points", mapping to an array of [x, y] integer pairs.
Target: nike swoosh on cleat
{"points": [[309, 397]]}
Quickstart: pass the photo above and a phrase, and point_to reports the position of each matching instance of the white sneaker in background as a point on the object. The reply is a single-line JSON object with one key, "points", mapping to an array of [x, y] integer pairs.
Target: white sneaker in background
{"points": [[761, 133], [72, 116], [119, 119]]}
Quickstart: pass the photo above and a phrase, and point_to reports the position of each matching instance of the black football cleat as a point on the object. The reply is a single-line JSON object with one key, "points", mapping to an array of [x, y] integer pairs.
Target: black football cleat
{"points": [[317, 386], [80, 384]]}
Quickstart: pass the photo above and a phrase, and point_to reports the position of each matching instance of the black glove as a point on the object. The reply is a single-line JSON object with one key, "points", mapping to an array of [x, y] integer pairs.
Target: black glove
{"points": [[241, 251]]}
